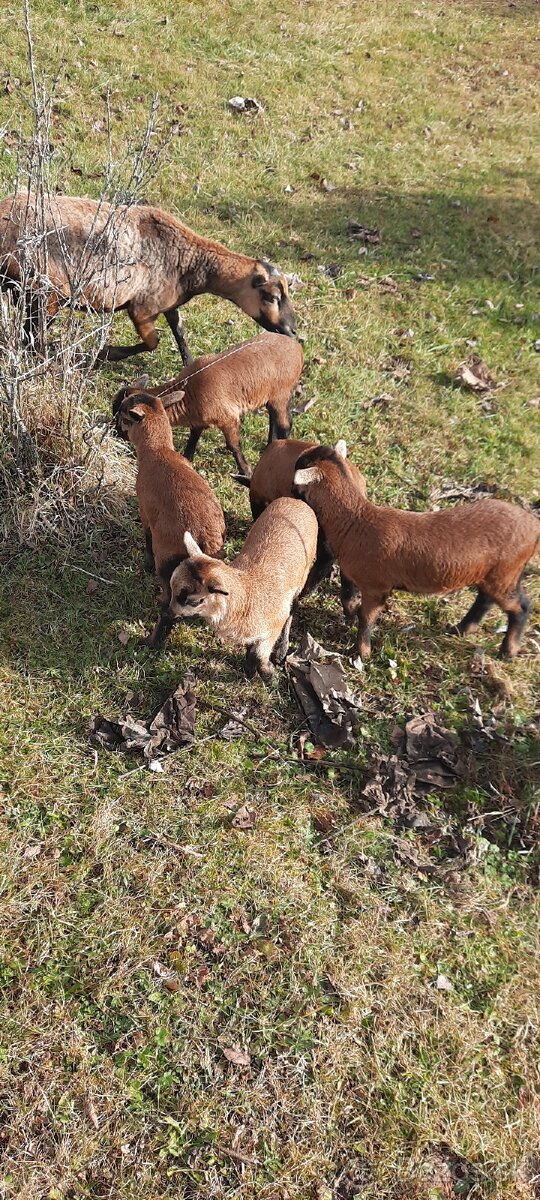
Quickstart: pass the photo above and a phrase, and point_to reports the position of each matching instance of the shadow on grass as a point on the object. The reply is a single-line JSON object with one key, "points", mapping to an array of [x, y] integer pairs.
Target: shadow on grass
{"points": [[474, 236]]}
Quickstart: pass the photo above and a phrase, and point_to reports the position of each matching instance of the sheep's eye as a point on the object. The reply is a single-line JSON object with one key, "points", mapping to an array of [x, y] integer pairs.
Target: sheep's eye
{"points": [[216, 590], [269, 298]]}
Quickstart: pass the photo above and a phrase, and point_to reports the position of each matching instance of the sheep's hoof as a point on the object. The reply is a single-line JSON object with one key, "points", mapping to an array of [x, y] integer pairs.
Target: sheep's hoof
{"points": [[266, 671], [506, 654]]}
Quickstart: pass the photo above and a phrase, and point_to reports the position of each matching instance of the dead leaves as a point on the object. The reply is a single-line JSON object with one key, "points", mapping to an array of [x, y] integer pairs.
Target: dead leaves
{"points": [[246, 105], [172, 727], [361, 233], [428, 756], [244, 818], [321, 689], [237, 1056], [475, 376]]}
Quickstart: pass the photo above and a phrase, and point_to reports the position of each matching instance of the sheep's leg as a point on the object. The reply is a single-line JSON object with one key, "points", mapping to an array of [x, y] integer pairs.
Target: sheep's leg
{"points": [[258, 660], [321, 567], [192, 442], [350, 597], [231, 434], [176, 326], [162, 628], [281, 648], [370, 608], [256, 508], [470, 622], [146, 328], [280, 422], [149, 561], [517, 610]]}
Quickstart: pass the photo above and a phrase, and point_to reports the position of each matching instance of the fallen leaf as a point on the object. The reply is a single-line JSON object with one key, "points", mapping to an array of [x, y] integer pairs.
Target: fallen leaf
{"points": [[245, 104], [91, 1112], [358, 232], [443, 984], [244, 818], [33, 850], [172, 727], [91, 587], [381, 401], [240, 1058], [123, 637], [320, 685], [474, 374]]}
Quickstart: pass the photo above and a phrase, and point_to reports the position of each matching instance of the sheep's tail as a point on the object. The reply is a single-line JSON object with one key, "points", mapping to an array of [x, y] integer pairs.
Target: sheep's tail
{"points": [[243, 480]]}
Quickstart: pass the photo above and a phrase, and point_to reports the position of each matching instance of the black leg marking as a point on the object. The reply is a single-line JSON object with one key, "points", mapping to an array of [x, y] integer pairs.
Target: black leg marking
{"points": [[192, 442], [321, 567], [281, 648], [118, 353], [516, 624], [162, 628], [176, 326], [256, 508], [279, 427], [235, 450], [350, 597], [475, 614]]}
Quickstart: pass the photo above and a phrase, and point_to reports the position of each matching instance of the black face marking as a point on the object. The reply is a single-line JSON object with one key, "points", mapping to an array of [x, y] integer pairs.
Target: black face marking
{"points": [[217, 590], [321, 454]]}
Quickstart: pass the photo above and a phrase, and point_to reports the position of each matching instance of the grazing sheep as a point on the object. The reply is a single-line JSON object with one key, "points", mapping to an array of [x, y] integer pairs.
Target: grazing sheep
{"points": [[172, 498], [249, 601], [138, 258], [484, 545], [217, 390]]}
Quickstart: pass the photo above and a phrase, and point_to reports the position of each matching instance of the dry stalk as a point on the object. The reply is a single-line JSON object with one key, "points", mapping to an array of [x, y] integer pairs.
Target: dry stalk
{"points": [[57, 464]]}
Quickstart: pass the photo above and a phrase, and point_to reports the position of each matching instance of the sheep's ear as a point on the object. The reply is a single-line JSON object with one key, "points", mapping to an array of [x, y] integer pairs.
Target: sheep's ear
{"points": [[192, 548], [309, 475], [174, 399], [260, 277], [140, 383], [137, 412], [341, 448]]}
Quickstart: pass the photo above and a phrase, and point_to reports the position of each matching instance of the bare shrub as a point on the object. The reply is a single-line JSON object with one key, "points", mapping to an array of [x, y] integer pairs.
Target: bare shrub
{"points": [[57, 462]]}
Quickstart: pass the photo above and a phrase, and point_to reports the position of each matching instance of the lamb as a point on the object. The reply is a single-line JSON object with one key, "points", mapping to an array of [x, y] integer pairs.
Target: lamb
{"points": [[134, 257], [485, 545], [217, 389], [172, 498], [249, 601], [273, 476]]}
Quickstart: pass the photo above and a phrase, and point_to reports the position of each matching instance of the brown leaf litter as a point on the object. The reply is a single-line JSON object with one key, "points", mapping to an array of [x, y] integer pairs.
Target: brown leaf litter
{"points": [[474, 375], [172, 728], [323, 694], [427, 756], [361, 233]]}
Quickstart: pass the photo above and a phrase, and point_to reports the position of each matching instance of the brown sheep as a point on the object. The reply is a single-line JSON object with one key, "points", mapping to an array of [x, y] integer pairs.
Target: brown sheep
{"points": [[172, 498], [249, 601], [217, 390], [273, 476], [138, 258], [484, 545]]}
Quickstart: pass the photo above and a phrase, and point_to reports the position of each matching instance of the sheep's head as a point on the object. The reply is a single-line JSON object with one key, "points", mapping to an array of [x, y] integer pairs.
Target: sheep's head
{"points": [[199, 586], [128, 390], [327, 465], [265, 297], [133, 411]]}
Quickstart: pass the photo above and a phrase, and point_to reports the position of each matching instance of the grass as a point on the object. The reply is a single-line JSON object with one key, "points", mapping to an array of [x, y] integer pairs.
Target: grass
{"points": [[314, 940]]}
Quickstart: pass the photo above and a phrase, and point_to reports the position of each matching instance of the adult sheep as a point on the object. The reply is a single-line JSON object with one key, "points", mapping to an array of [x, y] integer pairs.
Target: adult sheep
{"points": [[133, 257]]}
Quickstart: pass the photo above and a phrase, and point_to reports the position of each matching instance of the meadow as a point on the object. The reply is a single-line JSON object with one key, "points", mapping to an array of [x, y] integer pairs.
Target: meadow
{"points": [[339, 999]]}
